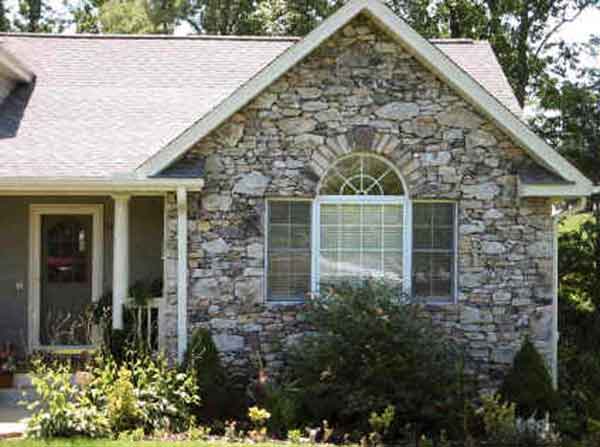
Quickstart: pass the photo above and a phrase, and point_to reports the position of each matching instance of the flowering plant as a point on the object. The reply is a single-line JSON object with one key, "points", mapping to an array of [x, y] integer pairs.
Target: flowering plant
{"points": [[8, 363]]}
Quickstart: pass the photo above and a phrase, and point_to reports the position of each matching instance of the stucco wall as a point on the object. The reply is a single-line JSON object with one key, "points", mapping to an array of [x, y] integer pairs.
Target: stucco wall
{"points": [[146, 248], [362, 92]]}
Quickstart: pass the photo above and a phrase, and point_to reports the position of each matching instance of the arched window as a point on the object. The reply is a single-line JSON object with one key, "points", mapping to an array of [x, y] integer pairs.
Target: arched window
{"points": [[361, 224], [361, 210], [362, 175]]}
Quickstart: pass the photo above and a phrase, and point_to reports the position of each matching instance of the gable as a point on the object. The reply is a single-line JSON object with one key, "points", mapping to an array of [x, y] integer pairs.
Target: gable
{"points": [[430, 57]]}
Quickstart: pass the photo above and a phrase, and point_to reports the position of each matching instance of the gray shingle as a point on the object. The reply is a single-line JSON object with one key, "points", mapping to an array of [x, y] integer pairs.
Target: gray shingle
{"points": [[103, 105]]}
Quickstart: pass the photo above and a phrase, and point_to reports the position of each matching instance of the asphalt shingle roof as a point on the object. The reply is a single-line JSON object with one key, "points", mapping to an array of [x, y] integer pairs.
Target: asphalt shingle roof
{"points": [[101, 106]]}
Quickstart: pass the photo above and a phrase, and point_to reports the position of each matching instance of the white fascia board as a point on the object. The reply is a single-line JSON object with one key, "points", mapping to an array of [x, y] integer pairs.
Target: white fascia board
{"points": [[13, 65], [52, 185], [566, 191], [419, 47]]}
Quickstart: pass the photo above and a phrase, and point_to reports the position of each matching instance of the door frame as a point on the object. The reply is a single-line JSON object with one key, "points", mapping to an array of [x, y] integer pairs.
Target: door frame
{"points": [[36, 211]]}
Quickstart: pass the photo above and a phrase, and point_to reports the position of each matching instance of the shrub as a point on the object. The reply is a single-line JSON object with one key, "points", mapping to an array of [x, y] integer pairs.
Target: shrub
{"points": [[142, 393], [282, 401], [60, 410], [528, 384], [372, 348], [220, 400], [122, 405]]}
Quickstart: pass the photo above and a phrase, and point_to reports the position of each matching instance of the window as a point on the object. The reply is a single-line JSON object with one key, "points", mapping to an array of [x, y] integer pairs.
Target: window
{"points": [[361, 175], [364, 226], [361, 240], [289, 250], [361, 221], [433, 251]]}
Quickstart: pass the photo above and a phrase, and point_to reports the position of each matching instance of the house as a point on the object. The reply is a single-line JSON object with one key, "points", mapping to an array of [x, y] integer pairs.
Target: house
{"points": [[241, 172]]}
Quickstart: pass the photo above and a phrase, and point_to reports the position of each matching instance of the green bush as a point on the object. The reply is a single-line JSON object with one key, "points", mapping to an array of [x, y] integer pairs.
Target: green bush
{"points": [[140, 393], [371, 348], [220, 399], [528, 384], [60, 409]]}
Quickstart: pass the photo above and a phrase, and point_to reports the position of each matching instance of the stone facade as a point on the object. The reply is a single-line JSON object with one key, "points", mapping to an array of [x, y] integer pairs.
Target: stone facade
{"points": [[360, 91]]}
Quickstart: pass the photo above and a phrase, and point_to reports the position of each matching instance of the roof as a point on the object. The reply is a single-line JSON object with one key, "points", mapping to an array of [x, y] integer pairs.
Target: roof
{"points": [[102, 105], [425, 52]]}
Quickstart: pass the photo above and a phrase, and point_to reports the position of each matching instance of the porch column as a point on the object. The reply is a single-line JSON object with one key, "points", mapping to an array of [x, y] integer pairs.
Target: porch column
{"points": [[182, 272], [120, 258]]}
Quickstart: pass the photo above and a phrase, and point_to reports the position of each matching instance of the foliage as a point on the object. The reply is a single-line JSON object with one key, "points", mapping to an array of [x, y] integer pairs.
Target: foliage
{"points": [[141, 392], [370, 348], [503, 427], [572, 122], [380, 424], [294, 436], [283, 404], [122, 404], [528, 384], [8, 362], [220, 399], [37, 16], [125, 17], [258, 416], [60, 409], [499, 418]]}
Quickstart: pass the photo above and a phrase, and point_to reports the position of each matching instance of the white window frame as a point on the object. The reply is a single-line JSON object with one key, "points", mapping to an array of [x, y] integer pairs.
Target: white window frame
{"points": [[357, 200], [265, 285], [455, 284]]}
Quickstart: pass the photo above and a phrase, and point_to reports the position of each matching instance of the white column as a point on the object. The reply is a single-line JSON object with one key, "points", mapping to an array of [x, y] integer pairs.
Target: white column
{"points": [[555, 333], [120, 258], [182, 272]]}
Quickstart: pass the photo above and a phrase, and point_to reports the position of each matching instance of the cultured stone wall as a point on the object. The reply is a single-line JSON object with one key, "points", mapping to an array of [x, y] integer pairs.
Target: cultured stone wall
{"points": [[360, 91]]}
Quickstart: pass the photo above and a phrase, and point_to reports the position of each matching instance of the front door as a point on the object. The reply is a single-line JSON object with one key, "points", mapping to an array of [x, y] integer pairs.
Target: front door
{"points": [[66, 273], [66, 280]]}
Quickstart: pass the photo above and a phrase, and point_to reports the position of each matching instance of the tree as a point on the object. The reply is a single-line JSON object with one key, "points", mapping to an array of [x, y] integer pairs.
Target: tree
{"points": [[124, 17], [127, 16], [37, 16], [4, 20], [522, 33], [86, 16], [221, 17]]}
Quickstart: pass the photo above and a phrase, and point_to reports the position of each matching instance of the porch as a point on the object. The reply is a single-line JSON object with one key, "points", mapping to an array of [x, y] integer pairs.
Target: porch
{"points": [[60, 254]]}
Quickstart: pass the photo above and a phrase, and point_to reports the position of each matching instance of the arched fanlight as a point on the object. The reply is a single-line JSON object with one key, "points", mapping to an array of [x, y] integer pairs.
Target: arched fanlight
{"points": [[361, 175]]}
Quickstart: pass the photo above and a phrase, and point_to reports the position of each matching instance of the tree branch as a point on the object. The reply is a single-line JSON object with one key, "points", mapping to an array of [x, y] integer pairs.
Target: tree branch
{"points": [[559, 25]]}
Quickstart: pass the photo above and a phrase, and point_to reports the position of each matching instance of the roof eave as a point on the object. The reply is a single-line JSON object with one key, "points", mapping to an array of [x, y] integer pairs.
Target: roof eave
{"points": [[94, 185], [562, 191], [17, 69]]}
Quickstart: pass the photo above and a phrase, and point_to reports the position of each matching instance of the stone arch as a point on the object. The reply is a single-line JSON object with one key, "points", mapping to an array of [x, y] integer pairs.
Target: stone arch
{"points": [[361, 139]]}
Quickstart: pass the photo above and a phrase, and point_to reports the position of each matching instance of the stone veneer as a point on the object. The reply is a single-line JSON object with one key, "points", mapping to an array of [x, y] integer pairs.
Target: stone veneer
{"points": [[360, 91]]}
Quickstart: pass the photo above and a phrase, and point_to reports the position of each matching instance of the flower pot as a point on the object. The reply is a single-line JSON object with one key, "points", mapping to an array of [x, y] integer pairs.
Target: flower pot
{"points": [[6, 380]]}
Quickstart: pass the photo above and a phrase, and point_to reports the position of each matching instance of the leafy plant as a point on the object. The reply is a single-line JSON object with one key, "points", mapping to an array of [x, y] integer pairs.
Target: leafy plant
{"points": [[8, 362], [371, 347], [294, 436], [60, 409], [123, 408], [140, 393], [258, 417], [220, 400], [380, 424], [528, 384]]}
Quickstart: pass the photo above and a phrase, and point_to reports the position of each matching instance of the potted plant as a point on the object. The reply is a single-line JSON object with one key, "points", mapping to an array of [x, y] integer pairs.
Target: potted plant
{"points": [[8, 365]]}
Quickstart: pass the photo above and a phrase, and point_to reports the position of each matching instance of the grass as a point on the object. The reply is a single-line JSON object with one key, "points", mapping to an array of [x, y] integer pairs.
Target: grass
{"points": [[110, 443]]}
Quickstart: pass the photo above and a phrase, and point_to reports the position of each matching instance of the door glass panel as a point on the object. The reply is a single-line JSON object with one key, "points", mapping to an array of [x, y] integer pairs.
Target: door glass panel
{"points": [[66, 280]]}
